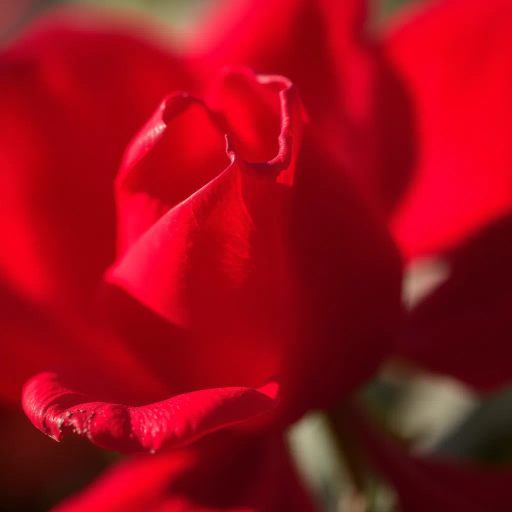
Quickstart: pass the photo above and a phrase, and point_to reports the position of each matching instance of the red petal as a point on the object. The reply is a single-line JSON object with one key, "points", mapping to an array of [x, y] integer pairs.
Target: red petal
{"points": [[427, 483], [58, 411], [454, 59], [223, 472], [184, 165], [463, 328], [213, 265], [75, 89]]}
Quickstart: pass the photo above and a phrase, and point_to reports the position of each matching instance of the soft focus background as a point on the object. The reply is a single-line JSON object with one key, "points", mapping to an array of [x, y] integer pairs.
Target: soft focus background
{"points": [[431, 414]]}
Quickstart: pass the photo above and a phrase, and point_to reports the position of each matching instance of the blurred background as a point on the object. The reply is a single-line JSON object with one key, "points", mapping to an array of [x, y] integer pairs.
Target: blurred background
{"points": [[430, 414], [179, 14]]}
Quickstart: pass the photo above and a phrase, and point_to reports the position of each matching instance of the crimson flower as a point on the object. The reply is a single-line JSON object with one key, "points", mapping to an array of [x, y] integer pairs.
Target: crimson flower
{"points": [[227, 274]]}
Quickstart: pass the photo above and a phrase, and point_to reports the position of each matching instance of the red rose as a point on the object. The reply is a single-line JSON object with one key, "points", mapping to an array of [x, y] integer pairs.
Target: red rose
{"points": [[253, 280], [234, 270]]}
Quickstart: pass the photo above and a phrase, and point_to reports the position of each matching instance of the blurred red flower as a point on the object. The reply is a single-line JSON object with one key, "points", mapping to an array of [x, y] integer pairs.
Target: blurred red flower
{"points": [[453, 57], [237, 288]]}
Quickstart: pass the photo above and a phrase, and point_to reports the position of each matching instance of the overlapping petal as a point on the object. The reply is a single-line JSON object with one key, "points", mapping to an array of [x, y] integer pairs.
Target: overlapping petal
{"points": [[258, 262], [224, 472], [454, 58], [220, 281]]}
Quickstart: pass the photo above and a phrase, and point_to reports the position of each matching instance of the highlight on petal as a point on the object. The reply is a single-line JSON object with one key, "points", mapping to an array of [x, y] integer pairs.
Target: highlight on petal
{"points": [[58, 411], [430, 483], [166, 163], [453, 58], [463, 328], [227, 471]]}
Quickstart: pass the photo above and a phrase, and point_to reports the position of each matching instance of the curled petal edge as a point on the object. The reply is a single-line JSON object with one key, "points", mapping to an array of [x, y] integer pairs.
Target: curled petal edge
{"points": [[58, 411], [292, 117], [133, 206]]}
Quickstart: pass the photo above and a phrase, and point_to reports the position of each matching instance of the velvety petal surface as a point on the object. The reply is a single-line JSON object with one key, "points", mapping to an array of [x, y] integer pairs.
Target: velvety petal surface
{"points": [[58, 411], [431, 483], [223, 472], [454, 60], [463, 328], [76, 87]]}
